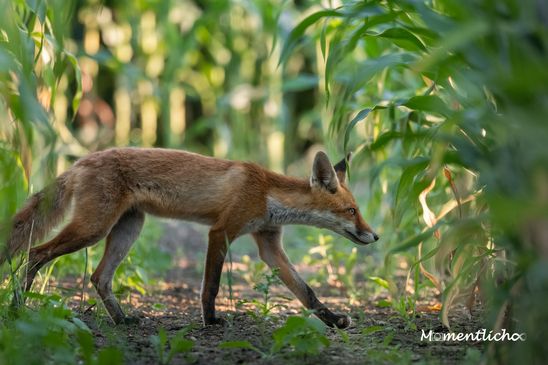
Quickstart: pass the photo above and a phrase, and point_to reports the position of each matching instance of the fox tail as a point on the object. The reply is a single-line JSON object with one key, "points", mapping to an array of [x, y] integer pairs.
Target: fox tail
{"points": [[41, 213]]}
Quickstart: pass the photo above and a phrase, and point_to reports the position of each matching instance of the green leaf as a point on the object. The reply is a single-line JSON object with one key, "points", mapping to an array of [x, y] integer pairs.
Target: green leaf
{"points": [[237, 345], [415, 240], [162, 336], [454, 40], [181, 345], [362, 114], [372, 329], [323, 41], [87, 347], [383, 303], [300, 29], [380, 281], [8, 62], [304, 334], [361, 73], [32, 110], [370, 23], [403, 38], [384, 139], [39, 8], [78, 76], [388, 338], [407, 180], [110, 356], [80, 324], [428, 103], [301, 82]]}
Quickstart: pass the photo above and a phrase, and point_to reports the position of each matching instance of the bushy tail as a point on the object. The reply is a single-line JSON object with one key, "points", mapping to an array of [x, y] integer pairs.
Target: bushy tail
{"points": [[41, 213]]}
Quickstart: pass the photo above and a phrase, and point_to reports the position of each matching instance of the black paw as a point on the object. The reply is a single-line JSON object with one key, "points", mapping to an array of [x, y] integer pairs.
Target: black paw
{"points": [[334, 320], [343, 321]]}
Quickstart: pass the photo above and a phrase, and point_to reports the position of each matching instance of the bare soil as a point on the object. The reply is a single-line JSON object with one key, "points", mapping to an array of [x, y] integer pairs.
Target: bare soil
{"points": [[174, 304]]}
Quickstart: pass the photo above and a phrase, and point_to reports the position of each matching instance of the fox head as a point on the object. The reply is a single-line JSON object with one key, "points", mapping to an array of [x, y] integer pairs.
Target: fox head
{"points": [[335, 203]]}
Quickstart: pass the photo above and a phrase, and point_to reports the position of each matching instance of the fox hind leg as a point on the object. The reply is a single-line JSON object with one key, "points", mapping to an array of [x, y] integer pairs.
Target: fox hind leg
{"points": [[118, 243], [92, 220], [71, 239]]}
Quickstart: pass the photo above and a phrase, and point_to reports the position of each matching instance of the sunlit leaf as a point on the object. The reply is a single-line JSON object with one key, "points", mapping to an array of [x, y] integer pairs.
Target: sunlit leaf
{"points": [[379, 281]]}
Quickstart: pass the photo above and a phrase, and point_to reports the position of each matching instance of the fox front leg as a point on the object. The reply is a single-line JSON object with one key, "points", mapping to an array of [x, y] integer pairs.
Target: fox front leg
{"points": [[216, 252], [271, 252]]}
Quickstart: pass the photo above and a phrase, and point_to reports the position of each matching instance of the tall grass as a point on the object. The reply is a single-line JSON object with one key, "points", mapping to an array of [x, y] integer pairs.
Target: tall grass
{"points": [[447, 100]]}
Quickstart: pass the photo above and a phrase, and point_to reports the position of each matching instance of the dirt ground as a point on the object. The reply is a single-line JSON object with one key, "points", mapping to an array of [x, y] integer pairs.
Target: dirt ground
{"points": [[175, 304]]}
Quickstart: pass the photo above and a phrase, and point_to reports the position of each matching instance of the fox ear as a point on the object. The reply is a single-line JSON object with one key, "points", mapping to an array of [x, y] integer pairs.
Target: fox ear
{"points": [[323, 174], [342, 166]]}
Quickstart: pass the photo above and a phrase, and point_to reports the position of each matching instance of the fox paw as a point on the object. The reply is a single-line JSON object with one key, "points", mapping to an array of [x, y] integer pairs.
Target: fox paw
{"points": [[343, 321], [215, 321]]}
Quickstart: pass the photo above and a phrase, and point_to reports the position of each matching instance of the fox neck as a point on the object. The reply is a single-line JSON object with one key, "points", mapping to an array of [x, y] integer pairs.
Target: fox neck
{"points": [[289, 201], [280, 214]]}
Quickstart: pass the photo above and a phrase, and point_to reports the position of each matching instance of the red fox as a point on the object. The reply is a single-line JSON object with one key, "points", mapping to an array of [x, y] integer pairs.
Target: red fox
{"points": [[113, 189]]}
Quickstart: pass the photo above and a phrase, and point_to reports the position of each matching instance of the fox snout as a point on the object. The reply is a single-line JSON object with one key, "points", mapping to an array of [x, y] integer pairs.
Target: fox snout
{"points": [[361, 231], [361, 237]]}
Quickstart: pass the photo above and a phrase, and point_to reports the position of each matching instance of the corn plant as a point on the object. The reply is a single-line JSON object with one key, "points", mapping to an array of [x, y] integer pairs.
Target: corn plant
{"points": [[445, 100], [300, 335]]}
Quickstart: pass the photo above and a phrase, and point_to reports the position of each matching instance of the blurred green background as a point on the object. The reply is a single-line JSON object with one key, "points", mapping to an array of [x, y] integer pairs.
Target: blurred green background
{"points": [[443, 103]]}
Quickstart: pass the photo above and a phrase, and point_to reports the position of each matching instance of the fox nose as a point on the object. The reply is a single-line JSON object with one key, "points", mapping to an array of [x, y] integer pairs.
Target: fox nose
{"points": [[375, 237]]}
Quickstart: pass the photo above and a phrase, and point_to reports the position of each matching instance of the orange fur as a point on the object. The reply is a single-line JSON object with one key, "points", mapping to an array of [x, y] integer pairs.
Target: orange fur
{"points": [[113, 189]]}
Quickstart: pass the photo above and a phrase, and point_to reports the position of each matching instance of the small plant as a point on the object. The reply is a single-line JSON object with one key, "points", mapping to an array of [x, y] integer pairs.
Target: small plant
{"points": [[405, 307], [49, 333], [264, 307], [403, 304], [106, 356], [380, 349], [253, 271], [336, 266], [261, 309], [303, 335], [178, 344]]}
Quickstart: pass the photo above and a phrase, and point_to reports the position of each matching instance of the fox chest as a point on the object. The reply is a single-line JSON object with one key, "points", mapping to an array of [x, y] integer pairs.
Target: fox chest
{"points": [[267, 220], [278, 214]]}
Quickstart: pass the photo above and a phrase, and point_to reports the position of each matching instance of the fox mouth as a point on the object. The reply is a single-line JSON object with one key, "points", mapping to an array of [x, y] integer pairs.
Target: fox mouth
{"points": [[355, 238]]}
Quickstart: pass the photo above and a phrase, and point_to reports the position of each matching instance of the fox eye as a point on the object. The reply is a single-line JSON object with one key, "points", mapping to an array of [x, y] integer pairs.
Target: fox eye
{"points": [[352, 211]]}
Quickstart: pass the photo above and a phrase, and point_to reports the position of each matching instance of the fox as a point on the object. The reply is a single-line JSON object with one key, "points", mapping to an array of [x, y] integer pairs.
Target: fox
{"points": [[110, 192]]}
